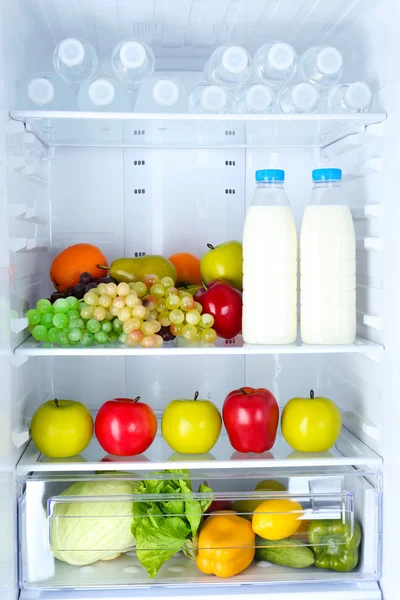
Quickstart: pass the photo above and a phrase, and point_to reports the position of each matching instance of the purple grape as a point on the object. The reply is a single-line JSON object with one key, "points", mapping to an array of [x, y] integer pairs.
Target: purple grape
{"points": [[166, 335], [103, 280], [69, 292], [112, 280], [79, 290], [85, 278], [90, 286], [55, 295]]}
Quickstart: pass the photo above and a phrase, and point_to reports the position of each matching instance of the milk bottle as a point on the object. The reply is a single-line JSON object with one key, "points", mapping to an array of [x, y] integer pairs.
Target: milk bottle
{"points": [[327, 264], [269, 264]]}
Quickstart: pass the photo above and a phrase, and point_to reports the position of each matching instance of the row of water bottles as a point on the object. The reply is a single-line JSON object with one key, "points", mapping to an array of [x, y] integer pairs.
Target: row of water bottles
{"points": [[235, 82], [76, 81]]}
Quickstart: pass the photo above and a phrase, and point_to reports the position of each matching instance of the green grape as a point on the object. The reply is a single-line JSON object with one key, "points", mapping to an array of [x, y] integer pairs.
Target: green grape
{"points": [[82, 304], [62, 338], [60, 320], [189, 332], [117, 326], [73, 302], [112, 337], [140, 288], [187, 303], [93, 326], [157, 290], [44, 305], [52, 334], [167, 282], [193, 317], [101, 337], [87, 338], [176, 317], [39, 332], [87, 312], [206, 321], [33, 316], [47, 320], [91, 298], [173, 302], [123, 336], [106, 326], [76, 324], [209, 336], [61, 305], [73, 314], [74, 335]]}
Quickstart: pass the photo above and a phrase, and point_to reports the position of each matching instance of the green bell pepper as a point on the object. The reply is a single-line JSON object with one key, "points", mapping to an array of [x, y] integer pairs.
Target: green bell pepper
{"points": [[333, 545]]}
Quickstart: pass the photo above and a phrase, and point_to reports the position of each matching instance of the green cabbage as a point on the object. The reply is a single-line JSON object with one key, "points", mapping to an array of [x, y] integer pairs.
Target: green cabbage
{"points": [[83, 532]]}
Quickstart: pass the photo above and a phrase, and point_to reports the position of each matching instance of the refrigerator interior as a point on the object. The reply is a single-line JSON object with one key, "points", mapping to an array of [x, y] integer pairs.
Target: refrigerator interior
{"points": [[169, 184]]}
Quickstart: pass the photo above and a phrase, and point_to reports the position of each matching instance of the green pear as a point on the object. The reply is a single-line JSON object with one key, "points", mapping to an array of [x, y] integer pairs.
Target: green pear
{"points": [[224, 262]]}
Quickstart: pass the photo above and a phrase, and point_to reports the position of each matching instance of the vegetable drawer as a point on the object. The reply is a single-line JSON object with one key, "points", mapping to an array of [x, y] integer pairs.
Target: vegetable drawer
{"points": [[173, 528]]}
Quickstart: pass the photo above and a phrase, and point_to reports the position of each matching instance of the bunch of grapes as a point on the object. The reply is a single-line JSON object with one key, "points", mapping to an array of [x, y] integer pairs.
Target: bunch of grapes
{"points": [[146, 313], [85, 284]]}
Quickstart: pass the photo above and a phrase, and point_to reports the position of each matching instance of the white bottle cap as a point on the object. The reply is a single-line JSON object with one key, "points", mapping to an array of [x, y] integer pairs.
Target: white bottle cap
{"points": [[214, 98], [357, 96], [258, 97], [329, 61], [40, 91], [235, 59], [132, 55], [281, 56], [304, 96], [165, 92], [71, 52], [101, 92]]}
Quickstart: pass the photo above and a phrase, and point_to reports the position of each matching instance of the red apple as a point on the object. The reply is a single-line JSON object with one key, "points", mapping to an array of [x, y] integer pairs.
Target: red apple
{"points": [[251, 419], [220, 505], [224, 303], [125, 427]]}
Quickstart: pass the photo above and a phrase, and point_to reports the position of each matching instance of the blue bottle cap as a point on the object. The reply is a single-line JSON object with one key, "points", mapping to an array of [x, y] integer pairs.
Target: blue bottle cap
{"points": [[270, 175], [327, 174]]}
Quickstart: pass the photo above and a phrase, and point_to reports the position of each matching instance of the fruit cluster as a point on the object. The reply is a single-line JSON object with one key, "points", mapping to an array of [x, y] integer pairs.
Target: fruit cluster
{"points": [[85, 284], [146, 313]]}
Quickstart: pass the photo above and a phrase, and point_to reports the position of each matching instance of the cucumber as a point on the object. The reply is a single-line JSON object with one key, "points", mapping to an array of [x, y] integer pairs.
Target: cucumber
{"points": [[288, 553]]}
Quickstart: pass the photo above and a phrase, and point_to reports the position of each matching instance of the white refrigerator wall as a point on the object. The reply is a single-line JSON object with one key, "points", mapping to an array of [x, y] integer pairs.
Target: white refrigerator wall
{"points": [[195, 196]]}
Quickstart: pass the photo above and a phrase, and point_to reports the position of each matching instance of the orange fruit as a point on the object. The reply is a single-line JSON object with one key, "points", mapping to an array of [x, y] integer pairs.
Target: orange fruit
{"points": [[71, 262], [187, 267]]}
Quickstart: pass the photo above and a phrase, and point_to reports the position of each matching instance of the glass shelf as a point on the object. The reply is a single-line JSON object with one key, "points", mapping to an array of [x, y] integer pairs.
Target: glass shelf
{"points": [[235, 346], [144, 130]]}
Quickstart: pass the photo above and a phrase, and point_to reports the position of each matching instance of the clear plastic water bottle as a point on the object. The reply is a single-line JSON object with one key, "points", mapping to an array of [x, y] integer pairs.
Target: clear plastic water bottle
{"points": [[254, 98], [348, 98], [322, 65], [103, 94], [229, 66], [299, 98], [45, 91], [132, 61], [209, 98], [75, 60], [275, 63], [164, 95]]}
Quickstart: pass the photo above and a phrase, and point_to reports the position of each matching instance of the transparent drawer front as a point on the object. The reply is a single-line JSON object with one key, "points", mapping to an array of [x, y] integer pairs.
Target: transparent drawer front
{"points": [[110, 532]]}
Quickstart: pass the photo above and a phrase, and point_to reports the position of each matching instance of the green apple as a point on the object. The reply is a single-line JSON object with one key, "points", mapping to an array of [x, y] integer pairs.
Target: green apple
{"points": [[224, 262], [191, 426], [61, 428]]}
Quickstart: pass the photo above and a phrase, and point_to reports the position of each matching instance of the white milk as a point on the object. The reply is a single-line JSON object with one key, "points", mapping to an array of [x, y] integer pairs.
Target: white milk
{"points": [[269, 269], [327, 269]]}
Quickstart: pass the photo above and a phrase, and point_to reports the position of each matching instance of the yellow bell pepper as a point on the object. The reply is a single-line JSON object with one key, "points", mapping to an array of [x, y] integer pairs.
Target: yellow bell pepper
{"points": [[226, 545]]}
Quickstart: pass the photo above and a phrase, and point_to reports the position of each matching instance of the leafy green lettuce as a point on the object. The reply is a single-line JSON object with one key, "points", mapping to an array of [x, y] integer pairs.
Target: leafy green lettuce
{"points": [[163, 527]]}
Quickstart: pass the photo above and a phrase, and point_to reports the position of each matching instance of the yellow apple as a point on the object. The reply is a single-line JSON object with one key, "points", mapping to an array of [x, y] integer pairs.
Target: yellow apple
{"points": [[61, 428], [311, 424], [191, 426]]}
